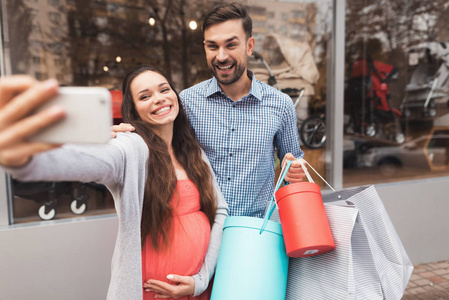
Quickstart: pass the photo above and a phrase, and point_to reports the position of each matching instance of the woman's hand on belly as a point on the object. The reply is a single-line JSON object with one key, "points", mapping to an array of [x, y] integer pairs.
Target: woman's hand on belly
{"points": [[181, 286]]}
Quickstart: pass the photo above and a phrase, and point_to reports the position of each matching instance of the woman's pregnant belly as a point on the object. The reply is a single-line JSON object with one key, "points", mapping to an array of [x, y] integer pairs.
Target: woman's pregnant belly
{"points": [[185, 254]]}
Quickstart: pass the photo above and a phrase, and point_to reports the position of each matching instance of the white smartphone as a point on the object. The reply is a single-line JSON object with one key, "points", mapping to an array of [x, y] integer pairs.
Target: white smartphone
{"points": [[88, 117]]}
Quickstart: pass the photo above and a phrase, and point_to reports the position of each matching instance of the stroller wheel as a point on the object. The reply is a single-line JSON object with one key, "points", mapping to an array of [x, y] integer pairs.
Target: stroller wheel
{"points": [[349, 130], [46, 215], [78, 210], [393, 133], [370, 130], [313, 132], [407, 113], [430, 113], [399, 138]]}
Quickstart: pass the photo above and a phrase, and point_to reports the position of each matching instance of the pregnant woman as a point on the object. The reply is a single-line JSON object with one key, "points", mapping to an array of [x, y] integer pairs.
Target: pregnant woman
{"points": [[170, 209]]}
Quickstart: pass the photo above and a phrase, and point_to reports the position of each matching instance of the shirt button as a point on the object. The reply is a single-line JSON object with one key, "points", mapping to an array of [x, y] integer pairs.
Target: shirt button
{"points": [[229, 178], [230, 154], [232, 129]]}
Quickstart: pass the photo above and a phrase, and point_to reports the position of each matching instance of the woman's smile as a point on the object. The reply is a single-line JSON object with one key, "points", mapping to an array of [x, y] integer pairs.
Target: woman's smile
{"points": [[163, 110]]}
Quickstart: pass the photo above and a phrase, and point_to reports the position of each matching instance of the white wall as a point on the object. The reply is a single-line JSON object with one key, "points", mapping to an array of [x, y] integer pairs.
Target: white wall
{"points": [[419, 211], [66, 259], [70, 259]]}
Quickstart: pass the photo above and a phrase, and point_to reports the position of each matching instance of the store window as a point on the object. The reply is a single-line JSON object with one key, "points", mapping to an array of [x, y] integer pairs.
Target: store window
{"points": [[92, 43], [40, 75], [256, 11], [259, 24], [36, 59], [292, 57], [396, 91], [54, 2], [56, 32], [54, 17], [298, 14], [36, 29], [33, 12]]}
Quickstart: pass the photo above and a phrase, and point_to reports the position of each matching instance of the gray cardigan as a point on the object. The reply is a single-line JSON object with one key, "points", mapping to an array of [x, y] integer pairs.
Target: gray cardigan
{"points": [[121, 165]]}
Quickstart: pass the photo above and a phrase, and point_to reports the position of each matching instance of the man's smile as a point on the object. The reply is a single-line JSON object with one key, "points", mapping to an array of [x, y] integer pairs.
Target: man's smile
{"points": [[224, 68]]}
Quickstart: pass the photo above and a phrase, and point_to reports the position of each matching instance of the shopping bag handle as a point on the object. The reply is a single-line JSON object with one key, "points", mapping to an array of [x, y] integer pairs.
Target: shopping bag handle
{"points": [[273, 202], [303, 163], [285, 167]]}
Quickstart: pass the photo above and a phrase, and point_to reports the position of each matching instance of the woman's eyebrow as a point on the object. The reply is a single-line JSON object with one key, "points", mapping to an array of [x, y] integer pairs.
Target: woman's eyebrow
{"points": [[147, 90], [142, 91]]}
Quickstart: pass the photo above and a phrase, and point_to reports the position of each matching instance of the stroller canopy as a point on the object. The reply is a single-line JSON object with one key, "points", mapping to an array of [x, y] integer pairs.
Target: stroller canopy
{"points": [[291, 62], [438, 50], [432, 71]]}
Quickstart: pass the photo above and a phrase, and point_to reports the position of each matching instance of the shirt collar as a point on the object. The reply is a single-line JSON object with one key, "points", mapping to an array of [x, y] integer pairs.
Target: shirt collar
{"points": [[255, 90]]}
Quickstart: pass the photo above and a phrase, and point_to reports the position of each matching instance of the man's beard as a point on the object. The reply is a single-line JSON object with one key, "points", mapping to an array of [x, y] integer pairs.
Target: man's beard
{"points": [[229, 78]]}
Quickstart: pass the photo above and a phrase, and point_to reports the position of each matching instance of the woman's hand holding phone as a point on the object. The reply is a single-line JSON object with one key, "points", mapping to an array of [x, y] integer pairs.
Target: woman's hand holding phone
{"points": [[39, 116], [19, 96]]}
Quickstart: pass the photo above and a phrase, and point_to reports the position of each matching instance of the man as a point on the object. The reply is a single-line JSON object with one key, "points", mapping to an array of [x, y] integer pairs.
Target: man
{"points": [[238, 120]]}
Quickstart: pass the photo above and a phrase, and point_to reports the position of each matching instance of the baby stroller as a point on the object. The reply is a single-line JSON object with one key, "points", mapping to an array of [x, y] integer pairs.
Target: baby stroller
{"points": [[48, 193], [290, 67], [367, 101], [429, 81]]}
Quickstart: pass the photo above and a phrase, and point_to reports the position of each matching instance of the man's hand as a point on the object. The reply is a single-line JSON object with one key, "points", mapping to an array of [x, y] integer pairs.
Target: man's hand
{"points": [[122, 127], [181, 286], [295, 172], [20, 95]]}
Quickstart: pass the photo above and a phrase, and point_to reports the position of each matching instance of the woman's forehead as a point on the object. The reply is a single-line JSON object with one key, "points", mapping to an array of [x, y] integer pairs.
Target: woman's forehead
{"points": [[149, 79]]}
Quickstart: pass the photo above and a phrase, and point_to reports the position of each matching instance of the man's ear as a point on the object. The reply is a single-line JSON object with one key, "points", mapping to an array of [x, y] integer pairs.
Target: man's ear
{"points": [[250, 46]]}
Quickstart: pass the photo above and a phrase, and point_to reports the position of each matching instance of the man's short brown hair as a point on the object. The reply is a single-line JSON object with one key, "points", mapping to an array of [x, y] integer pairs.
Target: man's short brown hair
{"points": [[226, 12]]}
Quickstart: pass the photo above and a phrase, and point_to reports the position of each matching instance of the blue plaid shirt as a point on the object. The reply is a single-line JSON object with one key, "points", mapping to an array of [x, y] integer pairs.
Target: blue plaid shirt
{"points": [[239, 138]]}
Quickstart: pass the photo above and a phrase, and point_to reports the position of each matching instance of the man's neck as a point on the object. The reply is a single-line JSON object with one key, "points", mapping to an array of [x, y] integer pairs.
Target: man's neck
{"points": [[238, 89]]}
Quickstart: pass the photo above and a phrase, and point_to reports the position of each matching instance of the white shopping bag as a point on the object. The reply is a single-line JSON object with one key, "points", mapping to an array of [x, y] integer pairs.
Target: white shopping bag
{"points": [[393, 266], [369, 260], [333, 275]]}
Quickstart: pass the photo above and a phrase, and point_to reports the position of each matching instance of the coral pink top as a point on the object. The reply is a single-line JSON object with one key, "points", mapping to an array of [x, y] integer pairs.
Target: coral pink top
{"points": [[189, 245]]}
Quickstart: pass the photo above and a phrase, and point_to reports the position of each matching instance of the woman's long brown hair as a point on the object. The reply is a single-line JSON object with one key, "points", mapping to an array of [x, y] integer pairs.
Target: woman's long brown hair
{"points": [[157, 215]]}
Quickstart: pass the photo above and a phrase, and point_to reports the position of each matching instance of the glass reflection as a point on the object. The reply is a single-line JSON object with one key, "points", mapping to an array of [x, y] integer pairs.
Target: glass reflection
{"points": [[396, 91], [291, 47], [94, 43]]}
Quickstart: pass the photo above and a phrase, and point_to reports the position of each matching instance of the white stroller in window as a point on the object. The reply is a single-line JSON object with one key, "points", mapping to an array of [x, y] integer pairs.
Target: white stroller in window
{"points": [[429, 83], [289, 66]]}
